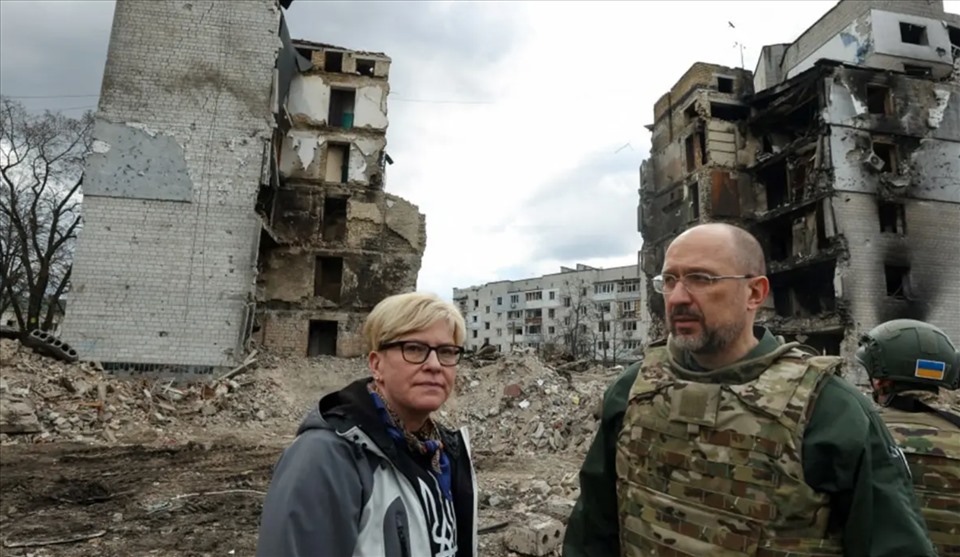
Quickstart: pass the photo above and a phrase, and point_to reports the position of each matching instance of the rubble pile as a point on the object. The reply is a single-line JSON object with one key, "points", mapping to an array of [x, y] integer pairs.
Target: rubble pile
{"points": [[518, 405], [42, 399]]}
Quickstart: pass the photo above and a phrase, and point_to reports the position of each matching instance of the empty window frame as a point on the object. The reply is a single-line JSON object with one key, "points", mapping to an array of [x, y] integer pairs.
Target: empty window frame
{"points": [[322, 338], [917, 71], [334, 219], [896, 279], [888, 154], [341, 108], [893, 217], [693, 192], [879, 100], [366, 66], [328, 277], [338, 163], [911, 33], [333, 61], [725, 84]]}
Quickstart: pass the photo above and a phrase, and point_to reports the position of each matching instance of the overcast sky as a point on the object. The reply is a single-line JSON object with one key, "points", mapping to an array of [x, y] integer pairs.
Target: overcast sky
{"points": [[517, 128]]}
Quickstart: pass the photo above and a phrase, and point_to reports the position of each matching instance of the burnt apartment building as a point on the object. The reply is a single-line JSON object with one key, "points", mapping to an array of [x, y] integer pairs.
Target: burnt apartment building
{"points": [[846, 167], [334, 243], [235, 193]]}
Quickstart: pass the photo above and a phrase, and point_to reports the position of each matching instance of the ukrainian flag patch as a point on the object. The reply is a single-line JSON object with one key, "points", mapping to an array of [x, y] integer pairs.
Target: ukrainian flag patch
{"points": [[930, 369]]}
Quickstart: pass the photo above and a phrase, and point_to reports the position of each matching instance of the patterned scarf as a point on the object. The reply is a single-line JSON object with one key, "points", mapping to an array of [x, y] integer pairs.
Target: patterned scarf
{"points": [[425, 441]]}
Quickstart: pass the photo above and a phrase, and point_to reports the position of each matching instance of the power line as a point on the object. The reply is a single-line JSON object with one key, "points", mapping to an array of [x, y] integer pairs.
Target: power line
{"points": [[431, 101], [48, 96], [72, 108], [392, 97]]}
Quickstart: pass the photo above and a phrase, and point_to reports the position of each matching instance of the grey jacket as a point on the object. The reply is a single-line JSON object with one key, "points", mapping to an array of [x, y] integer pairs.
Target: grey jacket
{"points": [[344, 488]]}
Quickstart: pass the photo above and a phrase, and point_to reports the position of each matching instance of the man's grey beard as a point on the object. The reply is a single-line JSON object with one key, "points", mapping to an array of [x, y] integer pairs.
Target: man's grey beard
{"points": [[711, 340]]}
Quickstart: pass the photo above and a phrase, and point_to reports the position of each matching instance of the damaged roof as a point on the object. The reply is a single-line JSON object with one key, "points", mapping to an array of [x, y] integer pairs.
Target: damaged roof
{"points": [[301, 43]]}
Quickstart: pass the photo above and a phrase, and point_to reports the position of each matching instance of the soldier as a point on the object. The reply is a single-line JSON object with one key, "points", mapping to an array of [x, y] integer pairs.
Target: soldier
{"points": [[908, 363], [727, 441]]}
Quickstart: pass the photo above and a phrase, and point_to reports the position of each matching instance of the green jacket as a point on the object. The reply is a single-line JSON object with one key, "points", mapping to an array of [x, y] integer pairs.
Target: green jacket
{"points": [[847, 453]]}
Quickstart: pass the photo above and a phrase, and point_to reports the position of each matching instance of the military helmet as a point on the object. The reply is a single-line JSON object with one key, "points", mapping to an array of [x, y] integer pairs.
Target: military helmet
{"points": [[909, 351]]}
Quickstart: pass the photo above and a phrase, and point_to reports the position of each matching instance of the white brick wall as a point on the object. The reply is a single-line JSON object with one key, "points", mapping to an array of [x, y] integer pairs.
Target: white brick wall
{"points": [[930, 247], [168, 282]]}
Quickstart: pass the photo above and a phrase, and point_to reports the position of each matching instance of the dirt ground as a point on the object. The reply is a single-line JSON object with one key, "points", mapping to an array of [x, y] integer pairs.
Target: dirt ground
{"points": [[193, 486]]}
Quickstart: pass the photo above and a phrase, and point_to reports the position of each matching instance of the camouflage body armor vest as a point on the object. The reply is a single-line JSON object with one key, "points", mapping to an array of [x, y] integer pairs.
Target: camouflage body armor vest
{"points": [[709, 463], [931, 446]]}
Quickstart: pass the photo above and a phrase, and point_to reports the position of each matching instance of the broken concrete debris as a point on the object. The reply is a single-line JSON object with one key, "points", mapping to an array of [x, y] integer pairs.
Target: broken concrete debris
{"points": [[42, 400], [540, 537]]}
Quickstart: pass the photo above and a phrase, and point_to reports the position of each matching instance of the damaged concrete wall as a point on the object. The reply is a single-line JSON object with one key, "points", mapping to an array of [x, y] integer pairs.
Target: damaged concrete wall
{"points": [[164, 267], [309, 100], [768, 71], [874, 40], [909, 274], [841, 16], [289, 333], [853, 44], [313, 155], [911, 124]]}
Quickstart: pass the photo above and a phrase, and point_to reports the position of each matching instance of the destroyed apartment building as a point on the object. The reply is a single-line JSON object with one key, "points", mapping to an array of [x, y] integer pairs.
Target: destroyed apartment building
{"points": [[841, 154], [236, 192]]}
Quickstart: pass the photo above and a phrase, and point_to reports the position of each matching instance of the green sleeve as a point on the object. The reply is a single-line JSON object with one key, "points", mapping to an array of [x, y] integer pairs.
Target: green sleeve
{"points": [[849, 454], [593, 529]]}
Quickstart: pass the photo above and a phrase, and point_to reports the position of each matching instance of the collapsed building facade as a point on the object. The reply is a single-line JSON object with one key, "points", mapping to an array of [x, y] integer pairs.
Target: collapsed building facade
{"points": [[210, 214], [842, 155], [334, 242]]}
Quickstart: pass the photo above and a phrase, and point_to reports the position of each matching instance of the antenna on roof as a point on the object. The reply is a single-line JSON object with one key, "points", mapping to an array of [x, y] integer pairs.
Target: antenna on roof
{"points": [[737, 44]]}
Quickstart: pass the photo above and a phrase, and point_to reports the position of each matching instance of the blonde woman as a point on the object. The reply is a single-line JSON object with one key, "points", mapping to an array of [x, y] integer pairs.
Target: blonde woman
{"points": [[371, 473]]}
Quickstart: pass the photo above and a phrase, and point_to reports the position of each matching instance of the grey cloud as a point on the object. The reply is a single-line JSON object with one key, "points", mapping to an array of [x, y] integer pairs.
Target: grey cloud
{"points": [[54, 48], [578, 216], [455, 40], [60, 48]]}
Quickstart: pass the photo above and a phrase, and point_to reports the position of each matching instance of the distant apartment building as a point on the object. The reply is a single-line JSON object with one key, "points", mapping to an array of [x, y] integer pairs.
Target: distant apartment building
{"points": [[585, 311], [841, 153]]}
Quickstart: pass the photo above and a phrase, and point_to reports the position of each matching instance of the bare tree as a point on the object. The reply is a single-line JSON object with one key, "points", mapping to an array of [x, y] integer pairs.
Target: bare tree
{"points": [[41, 171], [574, 333]]}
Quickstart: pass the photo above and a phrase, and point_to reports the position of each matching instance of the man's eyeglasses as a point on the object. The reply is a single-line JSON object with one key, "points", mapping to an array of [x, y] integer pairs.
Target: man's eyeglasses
{"points": [[693, 282], [417, 352]]}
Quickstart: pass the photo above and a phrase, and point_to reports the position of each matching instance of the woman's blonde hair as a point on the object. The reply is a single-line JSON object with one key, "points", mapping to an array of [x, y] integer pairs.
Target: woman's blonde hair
{"points": [[401, 314]]}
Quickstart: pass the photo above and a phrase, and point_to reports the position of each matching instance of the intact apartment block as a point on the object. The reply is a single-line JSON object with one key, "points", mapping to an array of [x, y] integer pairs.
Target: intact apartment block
{"points": [[841, 153], [236, 193], [585, 312]]}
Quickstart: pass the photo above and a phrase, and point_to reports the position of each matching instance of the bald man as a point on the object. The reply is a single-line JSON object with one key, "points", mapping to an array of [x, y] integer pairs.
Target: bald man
{"points": [[728, 441]]}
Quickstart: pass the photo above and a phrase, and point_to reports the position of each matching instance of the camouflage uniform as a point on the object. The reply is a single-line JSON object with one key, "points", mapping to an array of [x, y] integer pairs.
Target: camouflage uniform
{"points": [[917, 360], [931, 446], [747, 460]]}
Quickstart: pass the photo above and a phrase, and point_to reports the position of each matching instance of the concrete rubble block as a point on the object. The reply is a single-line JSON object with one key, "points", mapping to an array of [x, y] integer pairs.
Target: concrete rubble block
{"points": [[513, 391], [18, 417], [558, 507], [538, 538]]}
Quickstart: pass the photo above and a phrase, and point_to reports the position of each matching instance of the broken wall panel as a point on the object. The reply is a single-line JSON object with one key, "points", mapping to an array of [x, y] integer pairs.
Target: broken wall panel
{"points": [[928, 169], [724, 194], [722, 143], [312, 333], [314, 98], [893, 103]]}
